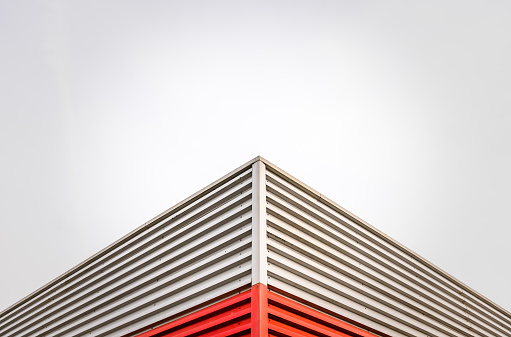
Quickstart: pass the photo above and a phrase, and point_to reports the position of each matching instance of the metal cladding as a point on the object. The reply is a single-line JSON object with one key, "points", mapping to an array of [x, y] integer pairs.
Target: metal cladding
{"points": [[257, 312], [313, 268], [189, 255], [326, 256], [232, 316]]}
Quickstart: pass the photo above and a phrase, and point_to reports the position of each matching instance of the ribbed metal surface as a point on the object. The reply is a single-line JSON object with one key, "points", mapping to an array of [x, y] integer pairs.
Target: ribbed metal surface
{"points": [[230, 317], [289, 318], [257, 312], [189, 255], [201, 251], [321, 255]]}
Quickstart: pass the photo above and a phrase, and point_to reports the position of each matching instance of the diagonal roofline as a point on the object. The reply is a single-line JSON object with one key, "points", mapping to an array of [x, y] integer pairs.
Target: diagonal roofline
{"points": [[148, 224], [328, 202], [295, 182]]}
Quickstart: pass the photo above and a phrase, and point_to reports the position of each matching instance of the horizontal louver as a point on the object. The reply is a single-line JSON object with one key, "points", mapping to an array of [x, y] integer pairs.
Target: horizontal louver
{"points": [[192, 254], [317, 253], [176, 275]]}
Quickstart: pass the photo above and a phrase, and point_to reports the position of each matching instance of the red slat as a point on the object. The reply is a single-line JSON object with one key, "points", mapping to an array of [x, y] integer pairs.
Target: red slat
{"points": [[233, 329], [280, 328], [316, 316], [257, 313], [303, 323], [221, 319], [206, 312]]}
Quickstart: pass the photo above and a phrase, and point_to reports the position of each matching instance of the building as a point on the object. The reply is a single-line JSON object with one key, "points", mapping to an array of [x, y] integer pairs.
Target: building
{"points": [[256, 253]]}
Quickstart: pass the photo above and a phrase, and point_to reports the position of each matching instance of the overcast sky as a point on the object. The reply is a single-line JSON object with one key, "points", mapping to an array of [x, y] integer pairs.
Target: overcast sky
{"points": [[113, 111]]}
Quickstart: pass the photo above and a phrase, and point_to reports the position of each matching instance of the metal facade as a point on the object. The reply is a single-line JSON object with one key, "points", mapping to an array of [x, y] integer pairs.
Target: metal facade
{"points": [[257, 312], [256, 227], [189, 255], [229, 317], [322, 254], [289, 318]]}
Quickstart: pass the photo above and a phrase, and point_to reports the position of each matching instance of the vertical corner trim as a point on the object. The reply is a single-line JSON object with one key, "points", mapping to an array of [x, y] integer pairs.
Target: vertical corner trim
{"points": [[259, 311], [259, 249]]}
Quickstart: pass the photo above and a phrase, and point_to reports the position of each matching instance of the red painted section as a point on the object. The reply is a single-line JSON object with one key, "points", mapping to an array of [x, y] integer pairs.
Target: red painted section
{"points": [[285, 312], [228, 317], [258, 313], [259, 310]]}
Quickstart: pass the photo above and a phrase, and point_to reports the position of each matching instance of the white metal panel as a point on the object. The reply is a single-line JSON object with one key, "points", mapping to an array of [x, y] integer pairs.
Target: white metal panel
{"points": [[209, 246], [259, 267], [322, 255], [190, 255]]}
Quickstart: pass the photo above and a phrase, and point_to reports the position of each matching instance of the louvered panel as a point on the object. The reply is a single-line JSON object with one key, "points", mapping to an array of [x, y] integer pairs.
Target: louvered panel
{"points": [[285, 316], [212, 238], [137, 245], [256, 312], [131, 244], [356, 285], [329, 296], [230, 317], [189, 255], [348, 261], [318, 253], [215, 244], [356, 292]]}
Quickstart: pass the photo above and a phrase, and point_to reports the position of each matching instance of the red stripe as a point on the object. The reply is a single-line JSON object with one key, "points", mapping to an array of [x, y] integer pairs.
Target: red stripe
{"points": [[214, 321], [258, 313], [316, 316], [229, 330], [199, 314], [259, 310], [303, 323], [280, 328]]}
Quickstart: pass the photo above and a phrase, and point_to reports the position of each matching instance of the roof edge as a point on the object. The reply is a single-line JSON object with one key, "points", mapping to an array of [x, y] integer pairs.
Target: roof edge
{"points": [[323, 199], [165, 214], [294, 181]]}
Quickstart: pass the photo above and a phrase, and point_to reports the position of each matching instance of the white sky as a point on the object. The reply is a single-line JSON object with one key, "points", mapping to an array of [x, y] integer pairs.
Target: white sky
{"points": [[113, 111]]}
